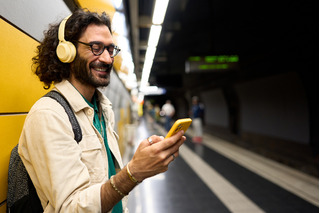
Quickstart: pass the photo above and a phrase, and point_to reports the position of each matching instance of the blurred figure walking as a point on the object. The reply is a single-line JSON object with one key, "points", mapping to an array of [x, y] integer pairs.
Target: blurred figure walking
{"points": [[197, 115], [168, 110]]}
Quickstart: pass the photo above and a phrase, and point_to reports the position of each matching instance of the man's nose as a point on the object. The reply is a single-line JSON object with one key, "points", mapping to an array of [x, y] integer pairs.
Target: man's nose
{"points": [[105, 57]]}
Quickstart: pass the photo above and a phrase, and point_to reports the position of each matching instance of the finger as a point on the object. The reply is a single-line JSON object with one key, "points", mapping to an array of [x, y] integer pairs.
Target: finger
{"points": [[154, 139], [176, 146], [151, 140], [173, 152], [171, 141], [176, 154], [172, 157]]}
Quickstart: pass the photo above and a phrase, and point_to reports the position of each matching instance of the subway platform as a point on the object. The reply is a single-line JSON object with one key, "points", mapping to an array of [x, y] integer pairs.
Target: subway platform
{"points": [[217, 176]]}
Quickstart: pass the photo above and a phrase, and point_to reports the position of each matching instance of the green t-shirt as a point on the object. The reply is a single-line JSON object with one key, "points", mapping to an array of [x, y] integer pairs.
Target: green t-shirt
{"points": [[100, 125]]}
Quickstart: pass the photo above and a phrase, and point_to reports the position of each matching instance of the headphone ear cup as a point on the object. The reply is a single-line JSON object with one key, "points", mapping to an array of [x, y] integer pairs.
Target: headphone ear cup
{"points": [[66, 51]]}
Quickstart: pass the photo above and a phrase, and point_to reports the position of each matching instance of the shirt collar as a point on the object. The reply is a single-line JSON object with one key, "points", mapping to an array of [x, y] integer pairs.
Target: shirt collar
{"points": [[94, 103], [74, 97]]}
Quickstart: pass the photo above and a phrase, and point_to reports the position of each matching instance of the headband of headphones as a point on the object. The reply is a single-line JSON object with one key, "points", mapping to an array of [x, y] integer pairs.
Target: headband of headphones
{"points": [[66, 51]]}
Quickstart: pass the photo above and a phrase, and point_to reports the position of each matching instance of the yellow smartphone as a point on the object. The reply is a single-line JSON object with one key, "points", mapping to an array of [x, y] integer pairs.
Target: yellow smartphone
{"points": [[181, 124]]}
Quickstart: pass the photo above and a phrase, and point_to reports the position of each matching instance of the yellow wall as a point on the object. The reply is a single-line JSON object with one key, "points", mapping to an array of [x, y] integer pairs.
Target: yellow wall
{"points": [[19, 89], [125, 118], [98, 6]]}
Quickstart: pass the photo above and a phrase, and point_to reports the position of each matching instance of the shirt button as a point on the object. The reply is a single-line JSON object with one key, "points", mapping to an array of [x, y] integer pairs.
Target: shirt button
{"points": [[90, 111]]}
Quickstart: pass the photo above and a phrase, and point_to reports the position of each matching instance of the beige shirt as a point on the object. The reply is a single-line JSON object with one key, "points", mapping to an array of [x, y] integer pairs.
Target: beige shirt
{"points": [[67, 175]]}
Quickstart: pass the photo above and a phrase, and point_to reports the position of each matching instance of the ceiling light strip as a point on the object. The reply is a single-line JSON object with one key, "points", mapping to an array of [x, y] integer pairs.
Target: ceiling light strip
{"points": [[155, 31], [160, 9]]}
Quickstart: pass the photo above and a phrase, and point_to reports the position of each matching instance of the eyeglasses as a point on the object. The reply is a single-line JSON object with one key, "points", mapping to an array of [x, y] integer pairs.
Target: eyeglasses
{"points": [[98, 47]]}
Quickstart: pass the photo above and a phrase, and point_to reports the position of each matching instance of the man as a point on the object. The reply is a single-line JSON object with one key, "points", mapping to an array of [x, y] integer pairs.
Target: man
{"points": [[89, 176], [168, 110], [197, 114]]}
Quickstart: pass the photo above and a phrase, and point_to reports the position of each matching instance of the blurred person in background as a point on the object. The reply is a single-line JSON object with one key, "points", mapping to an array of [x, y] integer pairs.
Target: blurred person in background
{"points": [[157, 113], [197, 115], [168, 111]]}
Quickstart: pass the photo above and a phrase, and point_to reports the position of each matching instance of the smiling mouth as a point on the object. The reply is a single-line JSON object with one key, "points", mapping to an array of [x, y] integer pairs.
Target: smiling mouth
{"points": [[99, 69]]}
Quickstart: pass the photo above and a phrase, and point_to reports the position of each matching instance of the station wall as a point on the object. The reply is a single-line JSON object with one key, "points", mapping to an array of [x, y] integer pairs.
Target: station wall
{"points": [[275, 106]]}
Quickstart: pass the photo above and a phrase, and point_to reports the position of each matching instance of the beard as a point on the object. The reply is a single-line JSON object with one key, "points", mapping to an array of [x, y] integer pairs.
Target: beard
{"points": [[84, 74]]}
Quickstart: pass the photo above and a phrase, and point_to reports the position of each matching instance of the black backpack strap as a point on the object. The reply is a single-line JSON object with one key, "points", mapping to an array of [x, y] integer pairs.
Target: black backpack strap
{"points": [[74, 122]]}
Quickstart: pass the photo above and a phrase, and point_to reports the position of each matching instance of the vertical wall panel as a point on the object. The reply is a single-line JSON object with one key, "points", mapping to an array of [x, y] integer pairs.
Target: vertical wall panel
{"points": [[275, 106], [19, 87], [216, 108], [98, 6]]}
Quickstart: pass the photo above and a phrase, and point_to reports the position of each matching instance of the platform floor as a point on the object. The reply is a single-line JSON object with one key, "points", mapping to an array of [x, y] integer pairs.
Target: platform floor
{"points": [[217, 176]]}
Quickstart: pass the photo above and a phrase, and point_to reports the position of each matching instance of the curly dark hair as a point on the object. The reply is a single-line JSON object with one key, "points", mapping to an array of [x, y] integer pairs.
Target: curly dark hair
{"points": [[46, 63]]}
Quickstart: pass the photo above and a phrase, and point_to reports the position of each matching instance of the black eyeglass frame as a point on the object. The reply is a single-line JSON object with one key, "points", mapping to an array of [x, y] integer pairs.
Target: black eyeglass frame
{"points": [[116, 48]]}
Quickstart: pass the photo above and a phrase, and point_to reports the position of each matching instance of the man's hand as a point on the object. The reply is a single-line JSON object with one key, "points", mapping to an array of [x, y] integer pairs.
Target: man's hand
{"points": [[152, 159]]}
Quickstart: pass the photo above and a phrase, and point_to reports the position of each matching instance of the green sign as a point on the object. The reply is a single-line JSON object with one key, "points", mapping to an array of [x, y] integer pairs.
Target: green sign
{"points": [[212, 63]]}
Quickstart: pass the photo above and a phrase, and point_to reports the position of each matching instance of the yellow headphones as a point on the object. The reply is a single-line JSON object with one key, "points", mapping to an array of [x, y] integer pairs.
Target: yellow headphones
{"points": [[66, 51]]}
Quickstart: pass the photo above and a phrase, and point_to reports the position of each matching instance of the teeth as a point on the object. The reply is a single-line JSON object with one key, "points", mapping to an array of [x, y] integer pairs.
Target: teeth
{"points": [[100, 69]]}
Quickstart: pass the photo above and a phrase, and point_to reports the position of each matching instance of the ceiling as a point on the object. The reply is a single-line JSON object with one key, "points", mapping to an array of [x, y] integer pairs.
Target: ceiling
{"points": [[269, 37]]}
